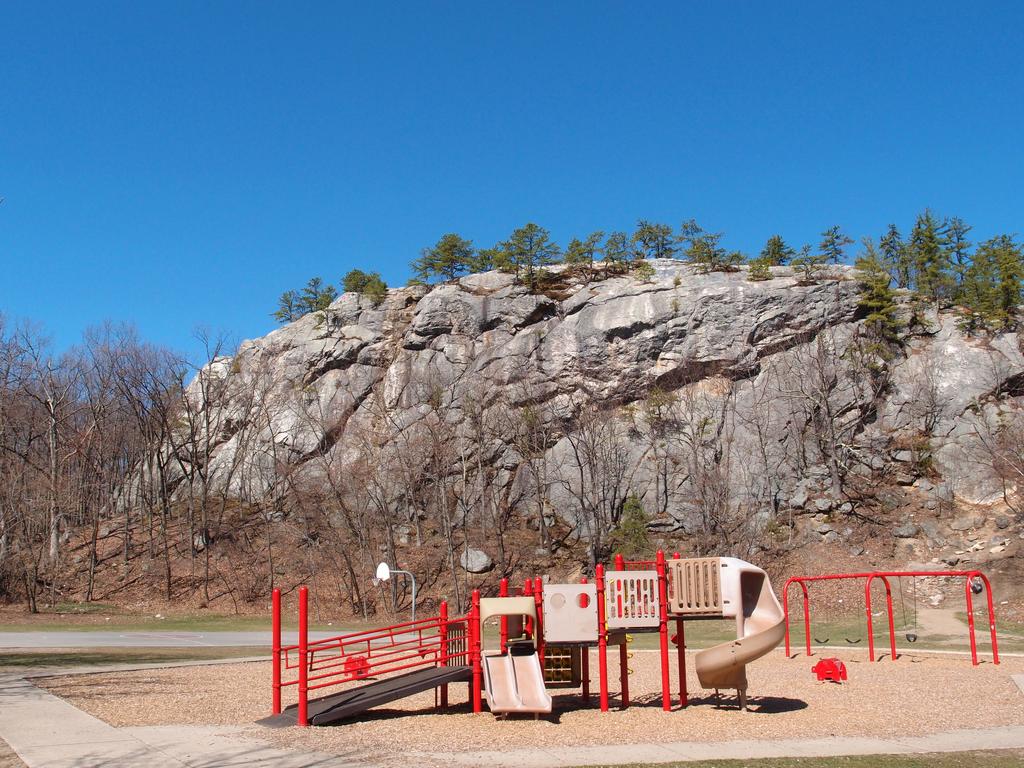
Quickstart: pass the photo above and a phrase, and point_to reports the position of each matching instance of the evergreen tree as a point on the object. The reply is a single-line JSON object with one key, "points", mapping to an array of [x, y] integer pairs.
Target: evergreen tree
{"points": [[583, 252], [616, 251], [496, 257], [574, 255], [1009, 276], [630, 536], [895, 257], [530, 249], [653, 241], [877, 299], [930, 259], [643, 270], [376, 290], [316, 296], [703, 249], [809, 265], [760, 268], [450, 257], [366, 284], [958, 250], [775, 252], [992, 285], [833, 244], [288, 308], [354, 281]]}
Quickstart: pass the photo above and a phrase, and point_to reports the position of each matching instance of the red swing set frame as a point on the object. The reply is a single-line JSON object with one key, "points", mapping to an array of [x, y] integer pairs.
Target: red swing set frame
{"points": [[884, 576]]}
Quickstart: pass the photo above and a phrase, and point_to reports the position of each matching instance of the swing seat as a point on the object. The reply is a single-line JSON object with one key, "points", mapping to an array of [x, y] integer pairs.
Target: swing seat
{"points": [[819, 641], [853, 641], [911, 637]]}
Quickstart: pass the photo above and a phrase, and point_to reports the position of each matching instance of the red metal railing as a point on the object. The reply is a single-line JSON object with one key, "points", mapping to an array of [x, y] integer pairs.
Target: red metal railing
{"points": [[437, 641], [622, 564], [884, 576]]}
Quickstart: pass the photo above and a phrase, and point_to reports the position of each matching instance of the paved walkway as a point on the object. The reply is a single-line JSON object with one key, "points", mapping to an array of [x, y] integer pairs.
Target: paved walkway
{"points": [[48, 732]]}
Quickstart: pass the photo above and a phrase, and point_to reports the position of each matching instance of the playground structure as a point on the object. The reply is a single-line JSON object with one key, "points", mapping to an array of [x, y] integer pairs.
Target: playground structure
{"points": [[544, 636], [970, 578]]}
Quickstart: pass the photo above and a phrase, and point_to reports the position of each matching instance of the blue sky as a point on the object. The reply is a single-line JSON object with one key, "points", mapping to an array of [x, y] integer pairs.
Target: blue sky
{"points": [[180, 165]]}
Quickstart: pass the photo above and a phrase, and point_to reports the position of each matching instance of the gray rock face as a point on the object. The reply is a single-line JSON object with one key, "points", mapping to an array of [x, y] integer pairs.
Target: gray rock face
{"points": [[967, 522], [937, 388], [476, 561], [798, 499], [360, 396], [906, 531]]}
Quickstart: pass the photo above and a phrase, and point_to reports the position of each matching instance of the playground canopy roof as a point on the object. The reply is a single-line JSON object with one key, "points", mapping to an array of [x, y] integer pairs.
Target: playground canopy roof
{"points": [[507, 606]]}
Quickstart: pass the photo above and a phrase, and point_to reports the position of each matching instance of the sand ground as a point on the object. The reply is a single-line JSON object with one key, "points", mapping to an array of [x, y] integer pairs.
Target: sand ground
{"points": [[915, 695]]}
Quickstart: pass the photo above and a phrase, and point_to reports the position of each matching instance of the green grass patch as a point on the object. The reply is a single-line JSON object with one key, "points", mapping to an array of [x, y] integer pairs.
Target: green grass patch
{"points": [[981, 623], [19, 660], [987, 759], [100, 621], [852, 632]]}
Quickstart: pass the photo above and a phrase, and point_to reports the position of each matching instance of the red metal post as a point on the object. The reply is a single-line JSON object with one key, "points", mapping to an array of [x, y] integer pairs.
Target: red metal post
{"points": [[620, 563], [970, 621], [807, 611], [443, 661], [602, 638], [538, 599], [276, 644], [527, 621], [807, 617], [303, 718], [475, 632], [892, 627], [991, 616], [666, 696], [867, 611], [503, 592], [624, 672], [681, 650], [681, 661], [585, 661]]}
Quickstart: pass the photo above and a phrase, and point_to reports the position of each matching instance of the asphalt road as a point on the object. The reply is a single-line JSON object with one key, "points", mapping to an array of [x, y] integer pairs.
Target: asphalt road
{"points": [[143, 639]]}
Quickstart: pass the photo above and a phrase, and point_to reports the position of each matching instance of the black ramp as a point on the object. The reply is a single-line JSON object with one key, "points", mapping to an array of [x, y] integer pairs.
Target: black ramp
{"points": [[338, 706]]}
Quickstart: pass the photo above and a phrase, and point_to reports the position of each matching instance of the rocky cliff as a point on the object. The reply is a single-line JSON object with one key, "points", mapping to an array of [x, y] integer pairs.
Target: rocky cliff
{"points": [[733, 411]]}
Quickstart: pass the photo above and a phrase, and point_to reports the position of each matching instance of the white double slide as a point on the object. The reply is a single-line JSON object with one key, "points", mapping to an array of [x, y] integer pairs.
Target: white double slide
{"points": [[514, 682]]}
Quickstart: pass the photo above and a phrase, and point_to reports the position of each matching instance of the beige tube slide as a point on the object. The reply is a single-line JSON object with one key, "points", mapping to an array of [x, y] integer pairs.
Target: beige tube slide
{"points": [[760, 626]]}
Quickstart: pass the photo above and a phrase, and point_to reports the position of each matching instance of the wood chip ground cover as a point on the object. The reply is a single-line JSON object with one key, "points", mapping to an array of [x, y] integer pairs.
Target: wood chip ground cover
{"points": [[915, 695]]}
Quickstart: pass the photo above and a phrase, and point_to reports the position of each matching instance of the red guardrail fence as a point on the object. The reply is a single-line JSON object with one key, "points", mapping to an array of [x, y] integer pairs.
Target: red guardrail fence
{"points": [[317, 664]]}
